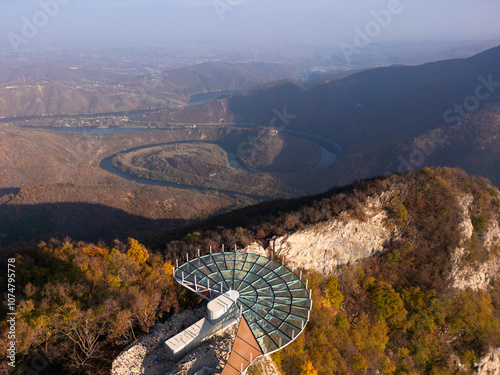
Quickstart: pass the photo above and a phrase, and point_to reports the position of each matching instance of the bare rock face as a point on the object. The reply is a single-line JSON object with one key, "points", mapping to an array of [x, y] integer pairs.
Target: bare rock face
{"points": [[491, 237], [263, 366], [489, 364], [325, 246], [475, 276], [255, 248]]}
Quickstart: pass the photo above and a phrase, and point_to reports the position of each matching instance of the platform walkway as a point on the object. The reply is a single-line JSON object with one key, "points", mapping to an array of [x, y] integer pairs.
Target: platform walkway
{"points": [[245, 350]]}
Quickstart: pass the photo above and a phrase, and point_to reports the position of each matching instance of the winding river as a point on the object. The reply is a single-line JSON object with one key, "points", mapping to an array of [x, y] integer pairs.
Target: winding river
{"points": [[107, 165], [330, 153]]}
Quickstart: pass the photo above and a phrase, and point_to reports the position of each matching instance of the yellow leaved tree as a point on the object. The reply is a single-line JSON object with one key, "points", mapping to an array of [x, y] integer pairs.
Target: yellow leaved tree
{"points": [[333, 298], [308, 369], [136, 251]]}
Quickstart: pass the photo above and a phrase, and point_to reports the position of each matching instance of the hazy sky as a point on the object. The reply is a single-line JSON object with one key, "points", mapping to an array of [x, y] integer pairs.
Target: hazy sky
{"points": [[173, 22]]}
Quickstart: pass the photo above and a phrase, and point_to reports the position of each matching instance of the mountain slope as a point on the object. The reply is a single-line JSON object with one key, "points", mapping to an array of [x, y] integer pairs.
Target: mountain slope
{"points": [[213, 77], [409, 307], [423, 298], [48, 89], [41, 98], [218, 76], [393, 103], [379, 116]]}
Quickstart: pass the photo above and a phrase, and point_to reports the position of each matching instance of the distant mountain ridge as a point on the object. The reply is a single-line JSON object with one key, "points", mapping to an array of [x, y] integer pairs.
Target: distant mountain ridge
{"points": [[48, 89], [377, 116], [217, 76]]}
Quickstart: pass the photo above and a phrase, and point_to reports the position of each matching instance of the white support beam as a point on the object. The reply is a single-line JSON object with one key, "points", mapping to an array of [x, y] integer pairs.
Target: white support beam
{"points": [[195, 291]]}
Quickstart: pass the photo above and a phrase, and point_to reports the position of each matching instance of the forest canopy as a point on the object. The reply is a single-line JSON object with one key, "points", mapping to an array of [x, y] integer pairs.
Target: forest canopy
{"points": [[80, 304]]}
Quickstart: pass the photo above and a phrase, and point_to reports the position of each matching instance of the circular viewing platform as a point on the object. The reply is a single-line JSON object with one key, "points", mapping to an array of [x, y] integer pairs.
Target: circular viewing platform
{"points": [[273, 301]]}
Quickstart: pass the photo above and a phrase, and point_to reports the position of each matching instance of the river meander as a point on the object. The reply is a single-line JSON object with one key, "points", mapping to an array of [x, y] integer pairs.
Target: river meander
{"points": [[330, 153]]}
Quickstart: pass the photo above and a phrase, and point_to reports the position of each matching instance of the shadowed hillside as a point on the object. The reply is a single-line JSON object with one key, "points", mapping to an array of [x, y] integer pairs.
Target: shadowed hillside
{"points": [[363, 110], [380, 117], [30, 224]]}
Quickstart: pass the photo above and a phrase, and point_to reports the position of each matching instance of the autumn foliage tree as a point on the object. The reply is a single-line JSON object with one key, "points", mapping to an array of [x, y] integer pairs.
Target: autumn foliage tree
{"points": [[81, 303], [333, 298], [308, 369]]}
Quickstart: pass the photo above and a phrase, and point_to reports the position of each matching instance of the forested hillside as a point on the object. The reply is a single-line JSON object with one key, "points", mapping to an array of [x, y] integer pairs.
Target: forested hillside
{"points": [[403, 311]]}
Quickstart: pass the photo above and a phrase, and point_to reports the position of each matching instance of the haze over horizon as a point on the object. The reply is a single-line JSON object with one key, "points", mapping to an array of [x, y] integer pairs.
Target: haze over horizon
{"points": [[333, 164], [150, 23]]}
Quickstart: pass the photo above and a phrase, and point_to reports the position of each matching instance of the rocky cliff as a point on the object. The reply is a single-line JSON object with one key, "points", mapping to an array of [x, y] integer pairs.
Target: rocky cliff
{"points": [[475, 275], [489, 364], [325, 246], [439, 231]]}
